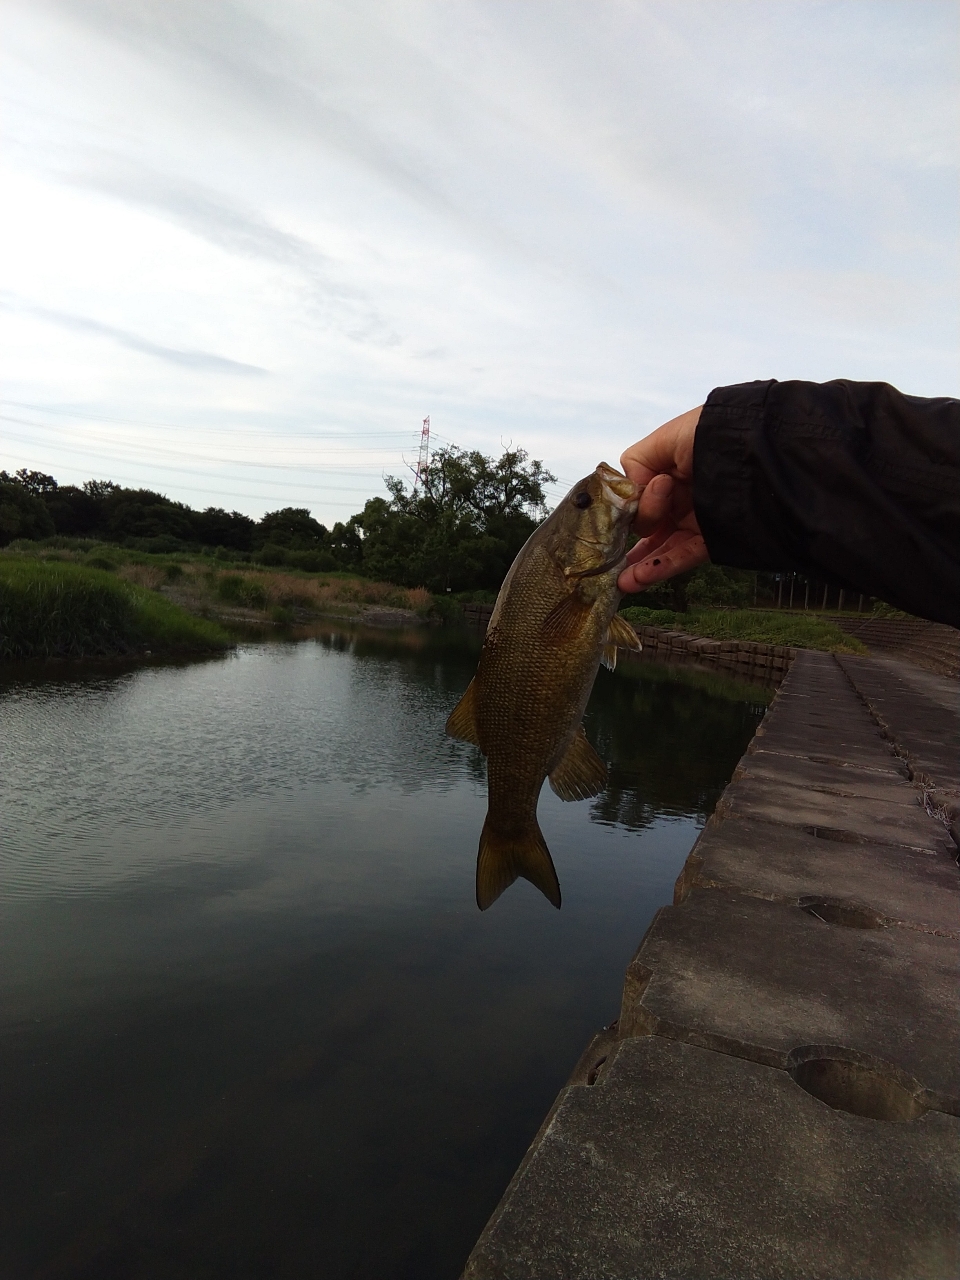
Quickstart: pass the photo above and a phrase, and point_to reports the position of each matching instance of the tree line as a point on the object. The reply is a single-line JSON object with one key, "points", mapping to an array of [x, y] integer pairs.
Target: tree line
{"points": [[457, 530]]}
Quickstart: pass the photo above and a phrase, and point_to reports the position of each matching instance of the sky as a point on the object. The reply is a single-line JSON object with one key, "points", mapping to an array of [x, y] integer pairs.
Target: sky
{"points": [[245, 248]]}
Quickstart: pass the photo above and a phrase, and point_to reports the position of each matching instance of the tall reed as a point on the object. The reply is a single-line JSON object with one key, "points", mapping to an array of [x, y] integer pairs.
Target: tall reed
{"points": [[58, 610]]}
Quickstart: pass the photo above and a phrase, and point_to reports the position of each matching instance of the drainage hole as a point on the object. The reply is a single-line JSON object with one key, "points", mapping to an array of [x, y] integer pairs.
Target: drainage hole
{"points": [[842, 913], [862, 1091]]}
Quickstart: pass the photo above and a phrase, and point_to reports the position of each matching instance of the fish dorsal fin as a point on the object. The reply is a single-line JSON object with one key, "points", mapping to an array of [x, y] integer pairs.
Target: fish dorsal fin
{"points": [[565, 620], [621, 633], [462, 721], [581, 773]]}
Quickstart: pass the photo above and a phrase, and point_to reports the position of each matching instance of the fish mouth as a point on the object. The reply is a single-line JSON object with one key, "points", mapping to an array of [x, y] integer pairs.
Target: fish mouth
{"points": [[618, 490]]}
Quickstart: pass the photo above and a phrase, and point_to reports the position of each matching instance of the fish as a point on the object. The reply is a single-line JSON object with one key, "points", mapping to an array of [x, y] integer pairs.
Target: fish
{"points": [[554, 621]]}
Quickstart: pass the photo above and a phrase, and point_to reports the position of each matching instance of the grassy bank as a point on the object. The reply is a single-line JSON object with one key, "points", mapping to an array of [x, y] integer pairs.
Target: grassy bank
{"points": [[216, 585], [765, 626], [235, 591], [63, 610]]}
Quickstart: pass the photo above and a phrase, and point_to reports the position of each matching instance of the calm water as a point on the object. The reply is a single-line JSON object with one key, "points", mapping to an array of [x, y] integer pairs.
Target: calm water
{"points": [[253, 1024]]}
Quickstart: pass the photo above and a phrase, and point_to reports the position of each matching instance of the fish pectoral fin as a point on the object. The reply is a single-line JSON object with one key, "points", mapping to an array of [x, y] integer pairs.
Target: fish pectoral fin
{"points": [[565, 620], [462, 721], [621, 634], [581, 773], [504, 857]]}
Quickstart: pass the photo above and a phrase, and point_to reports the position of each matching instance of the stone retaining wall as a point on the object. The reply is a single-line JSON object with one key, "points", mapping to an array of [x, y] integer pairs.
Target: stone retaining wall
{"points": [[771, 659]]}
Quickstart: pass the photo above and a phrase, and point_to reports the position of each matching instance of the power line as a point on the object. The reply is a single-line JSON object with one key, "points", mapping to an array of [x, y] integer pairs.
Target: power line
{"points": [[233, 432], [85, 448], [196, 471], [198, 457]]}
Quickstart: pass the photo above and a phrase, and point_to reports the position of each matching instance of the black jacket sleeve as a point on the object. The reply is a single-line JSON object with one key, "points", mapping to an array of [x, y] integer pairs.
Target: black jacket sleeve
{"points": [[850, 482]]}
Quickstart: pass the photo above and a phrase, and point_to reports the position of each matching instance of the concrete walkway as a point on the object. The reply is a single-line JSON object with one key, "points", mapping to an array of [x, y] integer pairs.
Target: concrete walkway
{"points": [[780, 1096]]}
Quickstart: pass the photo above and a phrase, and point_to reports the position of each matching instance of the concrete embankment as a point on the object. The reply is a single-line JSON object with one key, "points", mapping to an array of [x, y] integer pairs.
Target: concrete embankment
{"points": [[930, 645], [781, 1094]]}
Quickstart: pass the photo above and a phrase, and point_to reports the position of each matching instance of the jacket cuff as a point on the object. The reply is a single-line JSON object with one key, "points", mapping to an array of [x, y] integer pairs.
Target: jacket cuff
{"points": [[726, 477]]}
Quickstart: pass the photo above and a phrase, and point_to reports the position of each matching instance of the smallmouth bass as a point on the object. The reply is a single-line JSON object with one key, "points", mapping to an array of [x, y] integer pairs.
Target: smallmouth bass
{"points": [[555, 619]]}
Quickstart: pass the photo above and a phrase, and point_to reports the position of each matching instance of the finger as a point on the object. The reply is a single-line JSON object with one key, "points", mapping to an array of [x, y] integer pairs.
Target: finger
{"points": [[636, 470], [654, 505], [663, 545], [669, 448], [650, 456], [648, 545], [673, 558]]}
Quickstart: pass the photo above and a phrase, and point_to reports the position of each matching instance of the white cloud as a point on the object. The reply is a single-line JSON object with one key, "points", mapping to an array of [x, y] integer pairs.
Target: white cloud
{"points": [[552, 224]]}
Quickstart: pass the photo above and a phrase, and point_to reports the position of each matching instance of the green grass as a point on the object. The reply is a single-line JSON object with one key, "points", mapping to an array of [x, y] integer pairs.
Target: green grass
{"points": [[58, 610], [764, 626]]}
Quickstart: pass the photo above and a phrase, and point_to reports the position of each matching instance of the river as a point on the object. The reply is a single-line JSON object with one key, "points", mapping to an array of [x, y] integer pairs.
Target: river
{"points": [[251, 1021]]}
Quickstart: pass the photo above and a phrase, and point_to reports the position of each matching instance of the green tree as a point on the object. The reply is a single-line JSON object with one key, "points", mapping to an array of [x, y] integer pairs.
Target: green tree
{"points": [[706, 586], [293, 528], [141, 513], [215, 527], [461, 527], [714, 584], [22, 513], [35, 482], [346, 543]]}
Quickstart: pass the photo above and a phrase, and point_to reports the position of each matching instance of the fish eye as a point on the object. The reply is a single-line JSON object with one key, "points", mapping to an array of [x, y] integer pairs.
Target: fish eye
{"points": [[582, 500]]}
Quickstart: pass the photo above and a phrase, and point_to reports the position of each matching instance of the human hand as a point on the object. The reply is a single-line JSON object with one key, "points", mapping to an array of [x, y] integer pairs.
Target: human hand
{"points": [[670, 538]]}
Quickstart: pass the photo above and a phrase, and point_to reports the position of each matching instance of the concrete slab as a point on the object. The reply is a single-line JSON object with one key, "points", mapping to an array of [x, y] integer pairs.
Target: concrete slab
{"points": [[919, 712], [843, 710], [838, 780], [798, 747], [759, 979], [835, 746], [888, 676], [851, 818], [944, 690], [907, 887], [692, 1165]]}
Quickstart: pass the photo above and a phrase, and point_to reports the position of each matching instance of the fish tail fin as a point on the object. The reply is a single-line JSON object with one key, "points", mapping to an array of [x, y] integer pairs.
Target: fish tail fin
{"points": [[504, 857]]}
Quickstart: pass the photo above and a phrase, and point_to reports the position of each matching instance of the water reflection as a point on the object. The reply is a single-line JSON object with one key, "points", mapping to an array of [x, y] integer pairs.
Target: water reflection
{"points": [[252, 1022], [666, 748]]}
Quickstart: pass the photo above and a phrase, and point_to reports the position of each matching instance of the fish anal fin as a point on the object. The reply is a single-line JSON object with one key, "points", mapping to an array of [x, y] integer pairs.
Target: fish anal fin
{"points": [[502, 858], [581, 773], [565, 620], [621, 633], [462, 721]]}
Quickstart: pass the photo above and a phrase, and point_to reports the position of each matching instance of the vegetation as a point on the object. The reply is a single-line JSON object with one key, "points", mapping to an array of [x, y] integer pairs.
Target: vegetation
{"points": [[765, 626], [236, 591], [458, 531], [464, 525], [61, 610], [708, 586], [426, 548]]}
